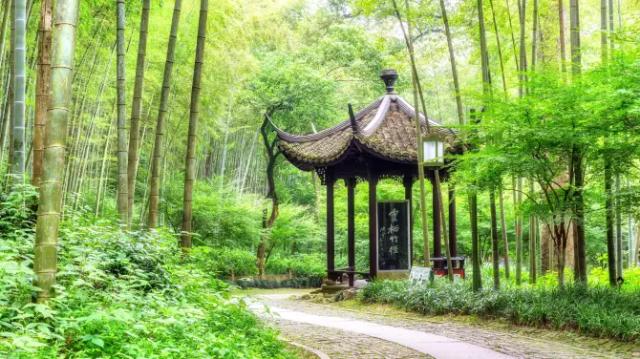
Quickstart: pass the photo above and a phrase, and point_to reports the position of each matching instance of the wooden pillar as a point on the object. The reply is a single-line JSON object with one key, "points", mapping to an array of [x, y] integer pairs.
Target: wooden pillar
{"points": [[351, 228], [373, 226], [330, 228], [408, 195], [453, 233], [437, 227]]}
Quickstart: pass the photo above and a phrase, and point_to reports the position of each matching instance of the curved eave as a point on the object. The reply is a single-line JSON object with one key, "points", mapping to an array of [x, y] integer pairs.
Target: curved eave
{"points": [[288, 137], [343, 137]]}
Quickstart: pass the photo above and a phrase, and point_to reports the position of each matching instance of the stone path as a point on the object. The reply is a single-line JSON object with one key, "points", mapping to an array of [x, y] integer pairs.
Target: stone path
{"points": [[340, 333]]}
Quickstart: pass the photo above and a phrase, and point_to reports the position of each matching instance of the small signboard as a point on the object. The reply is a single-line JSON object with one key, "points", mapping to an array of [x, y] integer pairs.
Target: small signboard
{"points": [[420, 275], [394, 249]]}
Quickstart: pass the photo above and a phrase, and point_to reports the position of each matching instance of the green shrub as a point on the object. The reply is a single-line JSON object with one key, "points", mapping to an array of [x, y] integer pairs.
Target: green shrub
{"points": [[309, 282], [119, 295], [298, 265], [596, 311], [221, 217], [225, 262]]}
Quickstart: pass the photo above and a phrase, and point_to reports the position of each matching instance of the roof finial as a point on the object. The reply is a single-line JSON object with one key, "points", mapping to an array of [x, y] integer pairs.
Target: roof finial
{"points": [[352, 118], [389, 76]]}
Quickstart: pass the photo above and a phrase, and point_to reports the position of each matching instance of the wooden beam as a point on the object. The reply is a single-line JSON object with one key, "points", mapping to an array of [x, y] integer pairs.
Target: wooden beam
{"points": [[453, 233], [373, 226], [437, 225], [408, 195], [351, 228], [330, 226]]}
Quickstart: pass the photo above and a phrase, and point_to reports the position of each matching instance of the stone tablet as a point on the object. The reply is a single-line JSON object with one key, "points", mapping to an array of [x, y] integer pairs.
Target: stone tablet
{"points": [[394, 251]]}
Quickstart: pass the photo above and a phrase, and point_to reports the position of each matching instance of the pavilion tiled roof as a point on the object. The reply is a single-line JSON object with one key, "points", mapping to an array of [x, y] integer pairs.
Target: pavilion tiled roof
{"points": [[386, 129]]}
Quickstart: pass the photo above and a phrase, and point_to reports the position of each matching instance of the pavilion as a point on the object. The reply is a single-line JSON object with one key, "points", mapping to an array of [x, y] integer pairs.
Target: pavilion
{"points": [[377, 142]]}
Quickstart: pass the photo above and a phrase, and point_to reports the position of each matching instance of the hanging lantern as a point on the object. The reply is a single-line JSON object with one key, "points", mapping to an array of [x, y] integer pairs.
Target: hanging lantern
{"points": [[433, 150]]}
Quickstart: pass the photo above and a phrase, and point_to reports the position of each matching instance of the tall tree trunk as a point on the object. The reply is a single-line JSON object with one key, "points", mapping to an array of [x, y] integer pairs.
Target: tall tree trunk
{"points": [[611, 37], [19, 76], [487, 91], [618, 211], [611, 255], [42, 89], [136, 109], [604, 50], [574, 25], [452, 60], [156, 161], [580, 265], [123, 193], [503, 234], [517, 200], [190, 162], [484, 52], [475, 242], [561, 37], [443, 221], [561, 249], [532, 241], [49, 202], [513, 37], [268, 221], [534, 36], [578, 170], [497, 33], [630, 233], [522, 77], [636, 248], [3, 28], [495, 254]]}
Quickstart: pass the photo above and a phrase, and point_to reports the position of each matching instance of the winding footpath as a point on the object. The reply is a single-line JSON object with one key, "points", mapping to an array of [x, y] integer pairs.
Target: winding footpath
{"points": [[330, 331]]}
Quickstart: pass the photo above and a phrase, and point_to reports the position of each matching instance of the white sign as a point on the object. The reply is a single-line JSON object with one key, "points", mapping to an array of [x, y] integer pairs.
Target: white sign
{"points": [[420, 275]]}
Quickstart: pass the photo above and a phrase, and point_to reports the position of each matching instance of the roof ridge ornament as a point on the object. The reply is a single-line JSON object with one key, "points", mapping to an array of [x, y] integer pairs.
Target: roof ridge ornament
{"points": [[352, 119], [389, 76]]}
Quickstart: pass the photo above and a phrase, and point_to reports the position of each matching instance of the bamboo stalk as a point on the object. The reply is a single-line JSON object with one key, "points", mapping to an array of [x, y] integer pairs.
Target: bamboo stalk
{"points": [[19, 76], [189, 176], [156, 162], [49, 203], [136, 109], [122, 151]]}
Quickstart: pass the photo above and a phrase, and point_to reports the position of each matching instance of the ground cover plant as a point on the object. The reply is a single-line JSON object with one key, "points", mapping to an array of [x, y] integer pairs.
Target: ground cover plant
{"points": [[598, 311], [118, 295]]}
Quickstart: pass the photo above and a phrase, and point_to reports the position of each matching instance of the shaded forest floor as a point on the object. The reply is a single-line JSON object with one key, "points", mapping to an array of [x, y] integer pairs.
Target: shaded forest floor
{"points": [[497, 336]]}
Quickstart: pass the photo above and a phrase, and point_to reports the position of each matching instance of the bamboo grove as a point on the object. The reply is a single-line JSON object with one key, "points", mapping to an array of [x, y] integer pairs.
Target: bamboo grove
{"points": [[137, 111]]}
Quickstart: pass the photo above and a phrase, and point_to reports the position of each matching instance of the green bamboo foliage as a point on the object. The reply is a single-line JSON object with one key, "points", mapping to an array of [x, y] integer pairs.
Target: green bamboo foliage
{"points": [[156, 161], [19, 75], [123, 196], [190, 170], [42, 89], [50, 200], [136, 107]]}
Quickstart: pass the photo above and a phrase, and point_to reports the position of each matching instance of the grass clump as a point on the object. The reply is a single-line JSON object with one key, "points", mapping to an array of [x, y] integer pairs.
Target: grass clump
{"points": [[595, 311]]}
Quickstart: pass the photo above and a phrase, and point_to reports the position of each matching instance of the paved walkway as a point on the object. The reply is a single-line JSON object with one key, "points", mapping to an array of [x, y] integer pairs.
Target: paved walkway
{"points": [[425, 343], [339, 333]]}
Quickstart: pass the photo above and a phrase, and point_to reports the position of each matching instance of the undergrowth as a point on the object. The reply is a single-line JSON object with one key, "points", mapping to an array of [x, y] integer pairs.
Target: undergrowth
{"points": [[119, 295], [595, 311]]}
